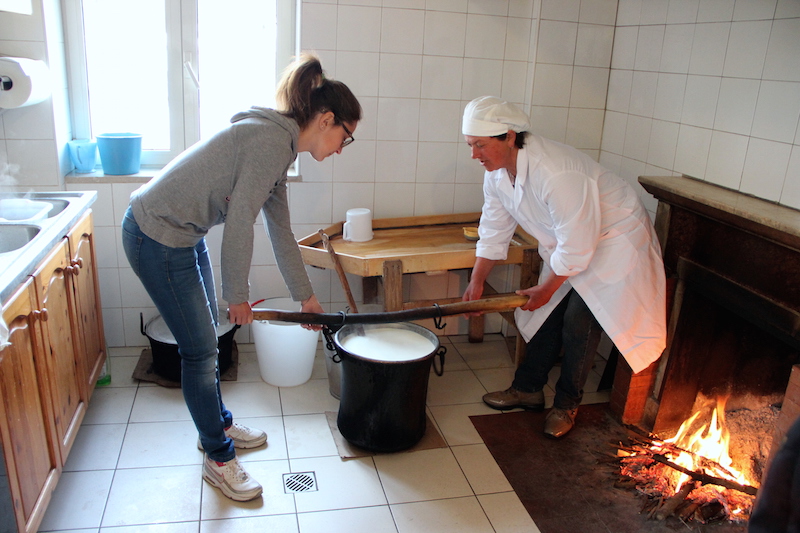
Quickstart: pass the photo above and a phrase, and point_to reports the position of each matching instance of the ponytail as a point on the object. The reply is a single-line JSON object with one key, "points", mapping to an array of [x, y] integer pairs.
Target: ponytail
{"points": [[304, 91]]}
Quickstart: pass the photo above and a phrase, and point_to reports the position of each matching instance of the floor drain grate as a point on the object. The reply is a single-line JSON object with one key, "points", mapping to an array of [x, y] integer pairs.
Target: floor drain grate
{"points": [[299, 482]]}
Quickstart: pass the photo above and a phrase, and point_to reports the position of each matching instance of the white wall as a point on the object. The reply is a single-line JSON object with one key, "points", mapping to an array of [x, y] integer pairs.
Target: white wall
{"points": [[415, 63]]}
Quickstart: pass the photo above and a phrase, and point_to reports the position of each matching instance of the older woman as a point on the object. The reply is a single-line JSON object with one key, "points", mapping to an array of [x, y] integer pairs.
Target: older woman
{"points": [[602, 262]]}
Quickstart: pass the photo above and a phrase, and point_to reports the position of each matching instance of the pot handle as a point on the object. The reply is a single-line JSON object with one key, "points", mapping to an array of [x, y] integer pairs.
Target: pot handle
{"points": [[141, 324], [330, 345], [440, 352]]}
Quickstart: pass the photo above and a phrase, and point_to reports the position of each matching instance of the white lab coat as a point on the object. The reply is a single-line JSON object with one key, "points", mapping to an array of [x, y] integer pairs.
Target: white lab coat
{"points": [[592, 227]]}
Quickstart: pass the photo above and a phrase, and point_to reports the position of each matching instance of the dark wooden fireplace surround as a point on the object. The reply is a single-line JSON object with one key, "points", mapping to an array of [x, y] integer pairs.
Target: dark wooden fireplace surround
{"points": [[733, 271]]}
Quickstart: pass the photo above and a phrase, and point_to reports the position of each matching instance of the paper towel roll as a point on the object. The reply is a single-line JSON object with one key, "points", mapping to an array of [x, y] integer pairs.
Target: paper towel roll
{"points": [[24, 82]]}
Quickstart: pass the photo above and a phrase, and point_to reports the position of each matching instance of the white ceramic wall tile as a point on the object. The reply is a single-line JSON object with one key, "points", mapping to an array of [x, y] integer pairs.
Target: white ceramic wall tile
{"points": [[550, 122], [677, 49], [467, 170], [552, 85], [402, 31], [398, 119], [566, 10], [408, 4], [708, 48], [585, 128], [598, 12], [619, 90], [440, 120], [782, 62], [359, 71], [355, 163], [394, 200], [682, 11], [629, 12], [648, 47], [623, 55], [700, 100], [121, 196], [765, 168], [791, 187], [349, 195], [37, 160], [441, 77], [515, 75], [754, 9], [358, 28], [691, 153], [654, 12], [18, 27], [556, 42], [637, 138], [318, 31], [777, 111], [310, 170], [736, 105], [433, 199], [400, 75], [518, 39], [787, 8], [310, 202], [482, 33], [482, 7], [589, 85], [481, 77], [113, 326], [395, 161], [521, 8], [726, 159], [663, 142], [30, 122], [643, 93], [614, 132], [594, 44], [445, 33], [468, 199], [458, 6], [669, 97], [436, 162], [747, 48], [715, 11]]}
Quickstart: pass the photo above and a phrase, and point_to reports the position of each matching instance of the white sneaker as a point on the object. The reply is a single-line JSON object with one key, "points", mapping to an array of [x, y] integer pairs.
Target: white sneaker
{"points": [[231, 479], [243, 437]]}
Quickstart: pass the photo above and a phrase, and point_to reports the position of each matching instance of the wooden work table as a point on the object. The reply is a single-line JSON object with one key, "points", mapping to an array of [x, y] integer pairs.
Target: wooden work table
{"points": [[412, 245]]}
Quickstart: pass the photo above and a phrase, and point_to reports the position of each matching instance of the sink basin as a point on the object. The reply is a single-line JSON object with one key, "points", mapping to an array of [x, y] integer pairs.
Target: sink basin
{"points": [[14, 237], [23, 210]]}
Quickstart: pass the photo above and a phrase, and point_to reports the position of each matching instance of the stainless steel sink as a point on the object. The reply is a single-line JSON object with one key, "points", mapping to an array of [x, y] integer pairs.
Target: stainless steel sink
{"points": [[15, 236]]}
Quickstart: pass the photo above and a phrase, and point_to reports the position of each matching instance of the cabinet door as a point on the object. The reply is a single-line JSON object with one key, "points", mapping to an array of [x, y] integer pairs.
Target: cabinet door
{"points": [[55, 298], [27, 429], [83, 273]]}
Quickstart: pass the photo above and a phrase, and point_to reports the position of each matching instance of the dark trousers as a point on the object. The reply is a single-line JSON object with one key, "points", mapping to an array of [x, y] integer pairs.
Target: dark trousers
{"points": [[570, 326]]}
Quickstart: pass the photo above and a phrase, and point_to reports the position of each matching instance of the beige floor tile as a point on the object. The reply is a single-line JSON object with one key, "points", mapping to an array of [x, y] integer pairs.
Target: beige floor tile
{"points": [[246, 400], [110, 406], [159, 404], [342, 484], [486, 354], [152, 444], [178, 527], [248, 365], [454, 422], [422, 475], [309, 436], [78, 501], [273, 501], [259, 524], [483, 474], [276, 439], [457, 515], [454, 387], [96, 447], [495, 379], [312, 397], [506, 513], [121, 370], [364, 520], [154, 495]]}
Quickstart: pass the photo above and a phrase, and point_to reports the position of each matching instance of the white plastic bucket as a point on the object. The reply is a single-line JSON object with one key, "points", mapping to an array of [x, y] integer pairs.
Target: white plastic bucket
{"points": [[285, 350]]}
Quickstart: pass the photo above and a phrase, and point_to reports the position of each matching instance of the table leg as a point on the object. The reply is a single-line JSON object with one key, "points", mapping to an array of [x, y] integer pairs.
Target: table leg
{"points": [[393, 285]]}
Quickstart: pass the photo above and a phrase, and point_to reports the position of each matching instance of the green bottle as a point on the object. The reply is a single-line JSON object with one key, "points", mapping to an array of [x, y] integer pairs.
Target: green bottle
{"points": [[105, 375]]}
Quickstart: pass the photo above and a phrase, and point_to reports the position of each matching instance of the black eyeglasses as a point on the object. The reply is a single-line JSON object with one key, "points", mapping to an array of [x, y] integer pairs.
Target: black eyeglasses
{"points": [[349, 139]]}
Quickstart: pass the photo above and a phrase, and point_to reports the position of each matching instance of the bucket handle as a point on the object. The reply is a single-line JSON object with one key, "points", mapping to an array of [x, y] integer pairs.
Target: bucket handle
{"points": [[440, 352], [330, 345]]}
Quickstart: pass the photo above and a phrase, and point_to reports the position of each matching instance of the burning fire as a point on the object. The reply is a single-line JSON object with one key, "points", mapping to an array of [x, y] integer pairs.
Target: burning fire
{"points": [[691, 475]]}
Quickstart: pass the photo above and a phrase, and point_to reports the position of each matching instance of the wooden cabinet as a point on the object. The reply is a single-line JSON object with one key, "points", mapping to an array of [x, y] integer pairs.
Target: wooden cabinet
{"points": [[27, 429], [49, 371]]}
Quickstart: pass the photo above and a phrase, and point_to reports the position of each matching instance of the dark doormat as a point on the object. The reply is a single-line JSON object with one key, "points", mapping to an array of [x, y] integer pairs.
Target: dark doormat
{"points": [[144, 369], [561, 483]]}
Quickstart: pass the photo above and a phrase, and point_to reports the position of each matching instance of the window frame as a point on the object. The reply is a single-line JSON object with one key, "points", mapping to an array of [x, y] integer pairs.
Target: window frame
{"points": [[183, 70]]}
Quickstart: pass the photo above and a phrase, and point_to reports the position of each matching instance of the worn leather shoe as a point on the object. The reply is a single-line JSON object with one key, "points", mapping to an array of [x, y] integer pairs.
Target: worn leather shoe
{"points": [[512, 398], [559, 422]]}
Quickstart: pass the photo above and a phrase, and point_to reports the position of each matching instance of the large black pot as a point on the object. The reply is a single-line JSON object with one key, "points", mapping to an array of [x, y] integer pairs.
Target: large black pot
{"points": [[167, 360], [382, 403]]}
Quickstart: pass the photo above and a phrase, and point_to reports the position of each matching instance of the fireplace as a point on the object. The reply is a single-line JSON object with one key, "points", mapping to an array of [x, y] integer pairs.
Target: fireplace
{"points": [[733, 270]]}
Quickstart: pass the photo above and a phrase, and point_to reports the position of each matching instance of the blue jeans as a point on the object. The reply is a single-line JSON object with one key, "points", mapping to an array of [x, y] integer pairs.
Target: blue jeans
{"points": [[181, 284], [570, 326]]}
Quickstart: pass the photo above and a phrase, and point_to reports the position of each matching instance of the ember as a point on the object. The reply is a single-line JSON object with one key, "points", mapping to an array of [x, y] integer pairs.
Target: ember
{"points": [[691, 475]]}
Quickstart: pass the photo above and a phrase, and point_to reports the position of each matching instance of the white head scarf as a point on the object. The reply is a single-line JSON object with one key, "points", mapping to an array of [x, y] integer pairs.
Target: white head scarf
{"points": [[489, 116]]}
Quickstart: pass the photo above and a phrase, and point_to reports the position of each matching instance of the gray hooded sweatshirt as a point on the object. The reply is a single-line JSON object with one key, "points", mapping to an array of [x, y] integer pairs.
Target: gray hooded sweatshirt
{"points": [[227, 179]]}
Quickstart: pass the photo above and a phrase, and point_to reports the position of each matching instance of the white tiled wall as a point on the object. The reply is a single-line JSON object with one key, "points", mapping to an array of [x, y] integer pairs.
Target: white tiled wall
{"points": [[708, 88]]}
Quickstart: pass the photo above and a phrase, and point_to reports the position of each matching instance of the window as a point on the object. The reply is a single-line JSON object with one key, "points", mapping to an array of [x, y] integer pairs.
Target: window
{"points": [[173, 70]]}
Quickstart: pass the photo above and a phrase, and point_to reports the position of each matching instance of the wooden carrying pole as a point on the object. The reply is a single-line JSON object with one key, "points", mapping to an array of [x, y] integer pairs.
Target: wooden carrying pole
{"points": [[486, 305], [339, 271]]}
